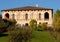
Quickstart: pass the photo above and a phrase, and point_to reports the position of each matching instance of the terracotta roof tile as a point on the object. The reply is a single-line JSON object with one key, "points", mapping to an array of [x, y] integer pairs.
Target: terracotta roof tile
{"points": [[27, 8]]}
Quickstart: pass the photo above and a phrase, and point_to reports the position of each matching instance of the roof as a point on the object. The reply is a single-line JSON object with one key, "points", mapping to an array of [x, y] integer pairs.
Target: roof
{"points": [[27, 8]]}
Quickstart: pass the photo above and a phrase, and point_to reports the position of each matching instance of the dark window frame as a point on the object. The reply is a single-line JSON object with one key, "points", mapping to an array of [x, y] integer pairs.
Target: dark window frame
{"points": [[26, 16], [39, 16], [13, 16], [46, 16]]}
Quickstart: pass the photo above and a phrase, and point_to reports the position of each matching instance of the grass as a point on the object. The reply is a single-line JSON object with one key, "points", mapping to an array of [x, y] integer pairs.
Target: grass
{"points": [[39, 36], [4, 37], [42, 36]]}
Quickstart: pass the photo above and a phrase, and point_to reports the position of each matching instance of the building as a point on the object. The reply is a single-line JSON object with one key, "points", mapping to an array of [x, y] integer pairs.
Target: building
{"points": [[24, 15]]}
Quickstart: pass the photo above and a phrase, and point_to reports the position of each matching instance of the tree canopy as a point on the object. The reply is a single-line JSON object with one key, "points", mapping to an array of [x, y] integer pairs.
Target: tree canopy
{"points": [[56, 23]]}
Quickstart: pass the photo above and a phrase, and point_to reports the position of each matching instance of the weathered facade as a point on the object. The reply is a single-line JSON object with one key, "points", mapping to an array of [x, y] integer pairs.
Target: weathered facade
{"points": [[24, 15]]}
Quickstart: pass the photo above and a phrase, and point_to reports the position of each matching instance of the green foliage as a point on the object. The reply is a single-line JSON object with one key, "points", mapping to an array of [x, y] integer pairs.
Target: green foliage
{"points": [[39, 28], [20, 34], [55, 35], [44, 26], [56, 23], [4, 24], [39, 36], [57, 12], [42, 36], [33, 24], [12, 21]]}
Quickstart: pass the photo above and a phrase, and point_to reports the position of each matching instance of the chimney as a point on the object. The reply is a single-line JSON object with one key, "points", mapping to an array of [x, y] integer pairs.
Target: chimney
{"points": [[36, 5]]}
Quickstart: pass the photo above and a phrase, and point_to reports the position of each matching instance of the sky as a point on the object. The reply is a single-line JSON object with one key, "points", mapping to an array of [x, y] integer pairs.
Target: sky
{"points": [[6, 4]]}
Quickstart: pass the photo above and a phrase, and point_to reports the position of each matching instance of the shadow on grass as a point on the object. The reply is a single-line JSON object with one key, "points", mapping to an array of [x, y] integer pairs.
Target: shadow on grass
{"points": [[1, 35]]}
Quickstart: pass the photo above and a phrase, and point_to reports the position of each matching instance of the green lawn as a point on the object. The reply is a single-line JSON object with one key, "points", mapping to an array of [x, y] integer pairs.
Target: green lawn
{"points": [[42, 36], [39, 36], [3, 37]]}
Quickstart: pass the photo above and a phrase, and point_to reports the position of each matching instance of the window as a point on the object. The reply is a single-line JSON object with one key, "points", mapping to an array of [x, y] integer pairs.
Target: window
{"points": [[46, 15], [13, 16], [26, 16], [26, 24], [39, 16], [46, 22], [39, 22], [7, 15]]}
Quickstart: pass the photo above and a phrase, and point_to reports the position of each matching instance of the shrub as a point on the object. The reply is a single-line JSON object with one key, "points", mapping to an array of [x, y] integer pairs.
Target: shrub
{"points": [[33, 24], [4, 24], [44, 26], [20, 34], [50, 28], [39, 28], [12, 21]]}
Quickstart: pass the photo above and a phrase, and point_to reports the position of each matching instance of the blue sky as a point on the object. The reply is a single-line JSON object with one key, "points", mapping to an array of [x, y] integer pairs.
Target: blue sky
{"points": [[6, 4]]}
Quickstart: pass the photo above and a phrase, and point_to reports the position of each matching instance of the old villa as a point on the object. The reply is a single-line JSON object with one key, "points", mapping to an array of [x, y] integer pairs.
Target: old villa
{"points": [[23, 15]]}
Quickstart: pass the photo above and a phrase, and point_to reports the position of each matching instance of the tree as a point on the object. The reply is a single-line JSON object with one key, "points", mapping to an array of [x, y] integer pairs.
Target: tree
{"points": [[56, 23], [33, 24], [4, 24]]}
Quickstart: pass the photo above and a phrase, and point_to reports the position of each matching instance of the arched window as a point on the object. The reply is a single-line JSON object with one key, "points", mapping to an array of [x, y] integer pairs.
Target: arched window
{"points": [[7, 15], [46, 15], [39, 16], [13, 16], [39, 22], [26, 16]]}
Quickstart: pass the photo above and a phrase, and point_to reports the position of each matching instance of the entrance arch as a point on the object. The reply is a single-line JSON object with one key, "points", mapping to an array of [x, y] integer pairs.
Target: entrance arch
{"points": [[7, 15]]}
